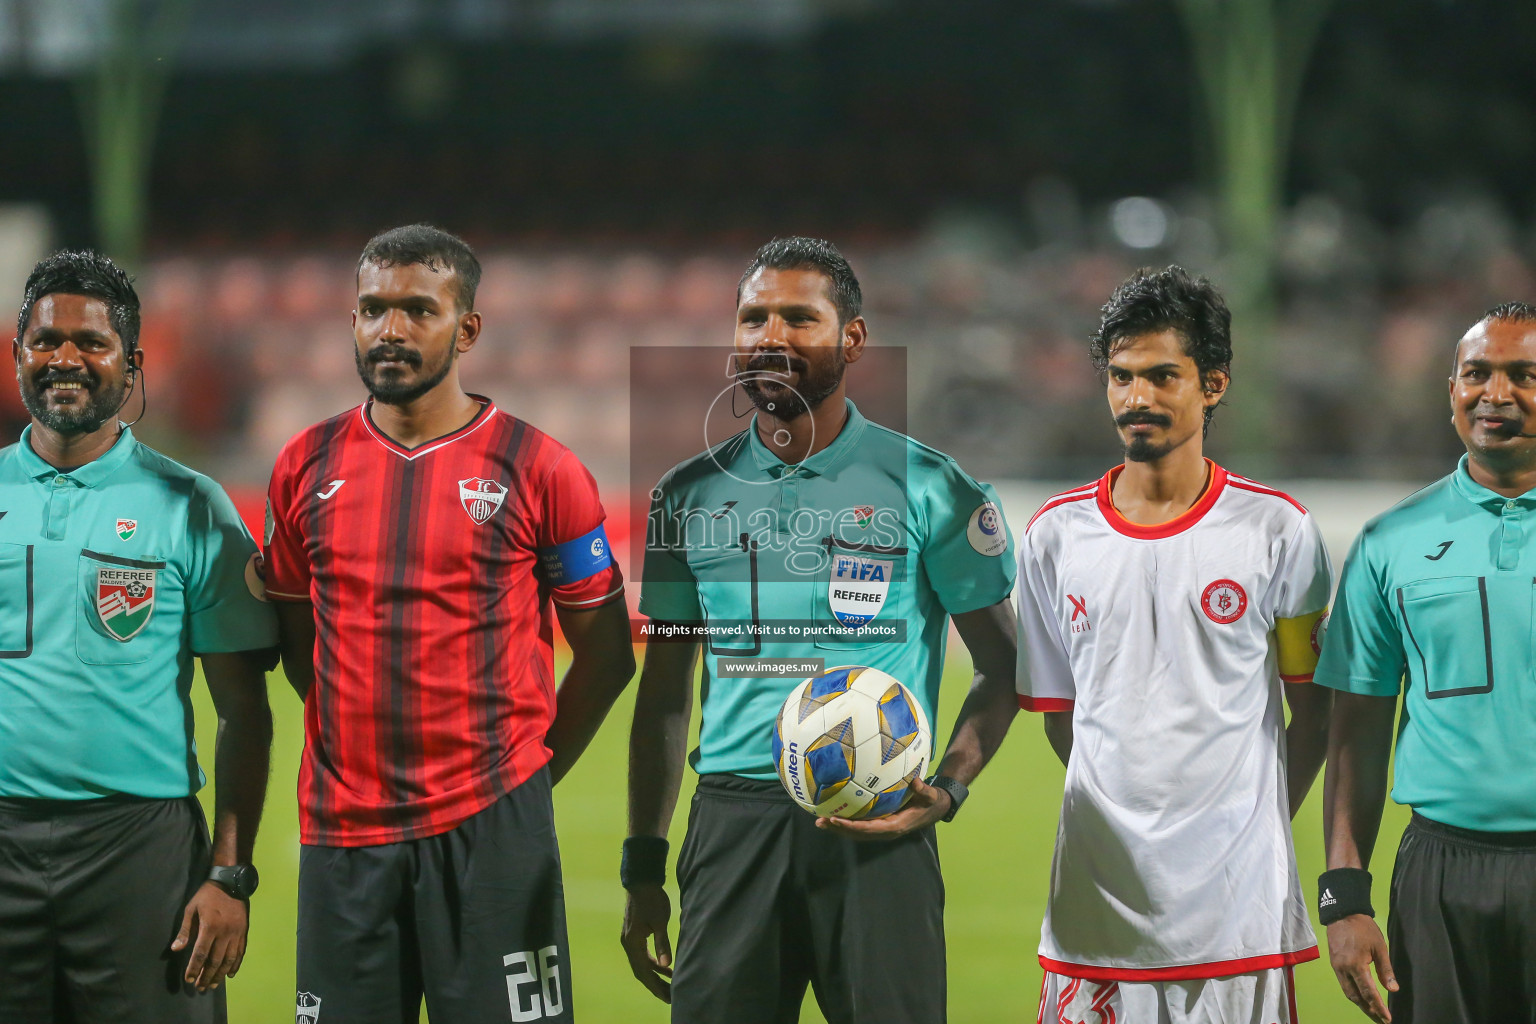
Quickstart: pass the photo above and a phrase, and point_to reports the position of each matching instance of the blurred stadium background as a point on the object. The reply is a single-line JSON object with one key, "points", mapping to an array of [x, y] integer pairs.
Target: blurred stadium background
{"points": [[1354, 173]]}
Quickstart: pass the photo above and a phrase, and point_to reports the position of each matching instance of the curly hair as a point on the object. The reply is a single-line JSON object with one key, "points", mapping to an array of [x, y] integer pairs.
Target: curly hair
{"points": [[1150, 301]]}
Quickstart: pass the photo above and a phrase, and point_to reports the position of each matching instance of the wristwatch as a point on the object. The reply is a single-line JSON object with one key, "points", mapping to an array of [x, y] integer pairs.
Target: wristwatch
{"points": [[239, 880], [956, 790]]}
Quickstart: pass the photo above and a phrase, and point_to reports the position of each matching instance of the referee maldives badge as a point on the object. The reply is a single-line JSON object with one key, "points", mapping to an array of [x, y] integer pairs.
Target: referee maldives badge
{"points": [[414, 546]]}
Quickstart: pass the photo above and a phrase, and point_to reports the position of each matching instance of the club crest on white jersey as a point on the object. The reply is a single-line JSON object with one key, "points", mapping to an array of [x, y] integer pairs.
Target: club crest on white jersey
{"points": [[858, 588], [1224, 601], [481, 498]]}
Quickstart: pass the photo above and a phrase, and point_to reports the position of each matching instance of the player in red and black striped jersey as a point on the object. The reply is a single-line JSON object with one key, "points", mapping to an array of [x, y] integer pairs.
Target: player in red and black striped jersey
{"points": [[416, 544]]}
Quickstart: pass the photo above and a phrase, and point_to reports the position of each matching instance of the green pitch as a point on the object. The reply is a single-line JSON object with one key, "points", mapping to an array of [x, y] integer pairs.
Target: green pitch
{"points": [[996, 856]]}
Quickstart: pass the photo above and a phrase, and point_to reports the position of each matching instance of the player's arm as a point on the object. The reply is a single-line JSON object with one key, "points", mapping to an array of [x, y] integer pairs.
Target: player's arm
{"points": [[658, 743], [296, 641], [1306, 737], [1363, 660], [988, 711], [214, 923], [1058, 732], [1354, 792], [602, 662]]}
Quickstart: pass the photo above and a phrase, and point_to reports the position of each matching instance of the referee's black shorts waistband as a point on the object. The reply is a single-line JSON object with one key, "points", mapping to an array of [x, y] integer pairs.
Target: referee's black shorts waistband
{"points": [[736, 787], [1474, 838], [43, 807]]}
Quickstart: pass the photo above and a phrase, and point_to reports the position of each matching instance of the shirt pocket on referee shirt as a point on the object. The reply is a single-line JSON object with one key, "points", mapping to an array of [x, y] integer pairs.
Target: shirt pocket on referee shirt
{"points": [[121, 609], [856, 601], [18, 606], [1450, 646], [728, 586]]}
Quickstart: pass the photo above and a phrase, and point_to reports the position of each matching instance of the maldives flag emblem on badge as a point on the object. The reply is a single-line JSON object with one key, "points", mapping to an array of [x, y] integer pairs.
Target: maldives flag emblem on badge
{"points": [[125, 528], [481, 498], [862, 514], [125, 599]]}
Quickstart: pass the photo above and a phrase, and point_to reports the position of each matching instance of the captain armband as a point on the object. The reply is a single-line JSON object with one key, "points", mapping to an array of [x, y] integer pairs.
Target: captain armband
{"points": [[576, 559]]}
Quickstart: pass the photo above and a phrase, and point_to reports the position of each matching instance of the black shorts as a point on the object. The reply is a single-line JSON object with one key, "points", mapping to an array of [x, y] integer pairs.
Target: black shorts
{"points": [[91, 895], [1462, 932], [771, 904], [472, 919]]}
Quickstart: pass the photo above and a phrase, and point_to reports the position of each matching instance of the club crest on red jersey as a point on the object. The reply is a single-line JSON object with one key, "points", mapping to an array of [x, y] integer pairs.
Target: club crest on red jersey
{"points": [[481, 498], [1224, 601], [125, 599]]}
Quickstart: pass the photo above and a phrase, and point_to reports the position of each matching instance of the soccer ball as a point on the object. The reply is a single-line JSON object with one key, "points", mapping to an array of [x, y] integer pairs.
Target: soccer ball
{"points": [[850, 742]]}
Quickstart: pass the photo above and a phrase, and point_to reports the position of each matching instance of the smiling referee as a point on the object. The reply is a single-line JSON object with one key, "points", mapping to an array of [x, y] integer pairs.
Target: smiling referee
{"points": [[1437, 601], [117, 567]]}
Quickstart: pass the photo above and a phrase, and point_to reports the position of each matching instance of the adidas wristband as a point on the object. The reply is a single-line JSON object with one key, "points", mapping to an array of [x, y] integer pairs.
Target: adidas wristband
{"points": [[644, 862], [1343, 892]]}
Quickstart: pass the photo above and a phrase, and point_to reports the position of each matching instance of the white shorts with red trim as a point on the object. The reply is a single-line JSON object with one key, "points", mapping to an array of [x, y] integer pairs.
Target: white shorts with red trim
{"points": [[1263, 997]]}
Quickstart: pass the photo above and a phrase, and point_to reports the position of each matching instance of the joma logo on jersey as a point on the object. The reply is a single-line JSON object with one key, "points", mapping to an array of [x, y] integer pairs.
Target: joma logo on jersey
{"points": [[125, 599], [481, 498]]}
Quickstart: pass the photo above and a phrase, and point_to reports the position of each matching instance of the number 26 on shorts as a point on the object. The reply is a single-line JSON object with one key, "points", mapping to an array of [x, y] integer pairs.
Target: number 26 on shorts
{"points": [[533, 983]]}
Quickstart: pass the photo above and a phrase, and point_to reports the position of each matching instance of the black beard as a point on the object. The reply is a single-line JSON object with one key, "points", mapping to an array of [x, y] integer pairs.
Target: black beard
{"points": [[782, 402], [1140, 449], [104, 402], [401, 393]]}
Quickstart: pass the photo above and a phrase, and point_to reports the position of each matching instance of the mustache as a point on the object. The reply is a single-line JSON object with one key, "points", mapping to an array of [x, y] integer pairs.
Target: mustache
{"points": [[1154, 419], [398, 353], [48, 378], [773, 362]]}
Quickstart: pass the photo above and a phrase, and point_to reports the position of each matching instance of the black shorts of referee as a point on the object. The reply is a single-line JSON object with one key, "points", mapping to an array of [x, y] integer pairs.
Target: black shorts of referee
{"points": [[1462, 930], [770, 904], [91, 894], [472, 921]]}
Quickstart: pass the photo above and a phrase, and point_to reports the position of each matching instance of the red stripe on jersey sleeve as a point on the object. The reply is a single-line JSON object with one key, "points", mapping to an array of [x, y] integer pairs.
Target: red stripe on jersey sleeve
{"points": [[1029, 703], [1064, 498], [1244, 484]]}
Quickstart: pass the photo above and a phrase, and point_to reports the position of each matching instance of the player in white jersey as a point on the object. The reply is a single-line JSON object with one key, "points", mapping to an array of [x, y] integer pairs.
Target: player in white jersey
{"points": [[1164, 612]]}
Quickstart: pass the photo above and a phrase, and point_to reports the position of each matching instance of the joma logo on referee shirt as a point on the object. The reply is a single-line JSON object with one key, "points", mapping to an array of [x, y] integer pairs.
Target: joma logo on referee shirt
{"points": [[481, 498]]}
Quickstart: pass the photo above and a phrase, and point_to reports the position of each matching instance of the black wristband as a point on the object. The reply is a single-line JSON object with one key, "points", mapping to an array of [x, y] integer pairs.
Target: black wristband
{"points": [[1343, 892], [644, 862], [957, 794]]}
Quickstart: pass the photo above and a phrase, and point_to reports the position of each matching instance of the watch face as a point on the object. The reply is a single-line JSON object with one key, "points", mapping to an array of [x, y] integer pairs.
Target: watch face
{"points": [[239, 881]]}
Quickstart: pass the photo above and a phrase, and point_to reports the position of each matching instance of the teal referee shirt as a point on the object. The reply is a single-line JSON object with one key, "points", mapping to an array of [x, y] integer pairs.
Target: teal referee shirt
{"points": [[856, 556], [1438, 599], [112, 576]]}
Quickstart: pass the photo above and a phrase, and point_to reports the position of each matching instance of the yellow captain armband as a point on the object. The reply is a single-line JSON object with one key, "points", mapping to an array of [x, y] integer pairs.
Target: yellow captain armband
{"points": [[1298, 642]]}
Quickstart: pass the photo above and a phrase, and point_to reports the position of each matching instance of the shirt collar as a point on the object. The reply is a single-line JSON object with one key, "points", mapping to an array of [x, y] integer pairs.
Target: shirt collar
{"points": [[1477, 494], [88, 475], [819, 464]]}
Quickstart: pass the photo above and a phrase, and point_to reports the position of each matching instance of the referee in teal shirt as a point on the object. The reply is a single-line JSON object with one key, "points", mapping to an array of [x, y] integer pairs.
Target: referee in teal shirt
{"points": [[1438, 602], [775, 529], [117, 566]]}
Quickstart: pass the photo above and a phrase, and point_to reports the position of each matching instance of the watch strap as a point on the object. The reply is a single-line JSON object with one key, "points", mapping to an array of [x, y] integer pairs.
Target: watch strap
{"points": [[957, 793]]}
